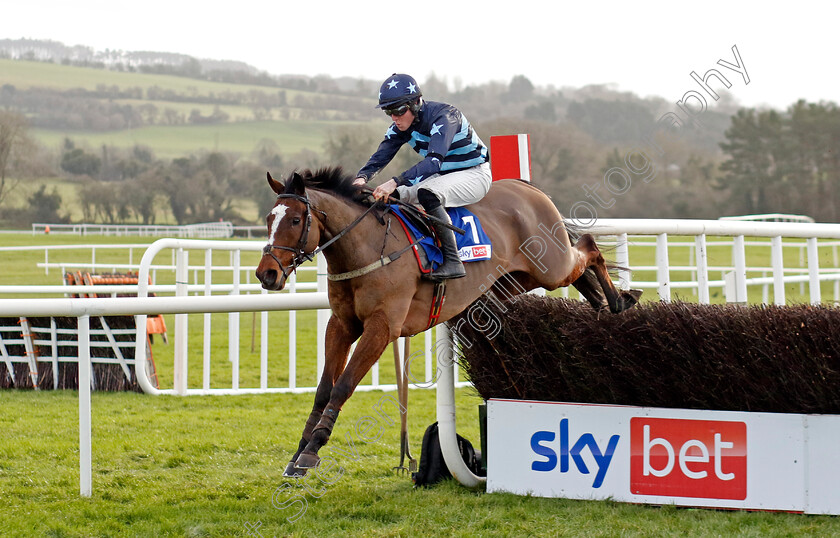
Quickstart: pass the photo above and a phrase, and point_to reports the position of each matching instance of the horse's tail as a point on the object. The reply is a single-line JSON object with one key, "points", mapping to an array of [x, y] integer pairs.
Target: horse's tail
{"points": [[574, 230]]}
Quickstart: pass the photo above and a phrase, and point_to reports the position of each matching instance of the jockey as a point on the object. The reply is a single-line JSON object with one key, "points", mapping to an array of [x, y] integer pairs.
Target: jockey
{"points": [[454, 172]]}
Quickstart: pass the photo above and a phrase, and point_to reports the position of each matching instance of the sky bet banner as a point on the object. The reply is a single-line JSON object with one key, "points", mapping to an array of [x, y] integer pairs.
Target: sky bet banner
{"points": [[766, 461]]}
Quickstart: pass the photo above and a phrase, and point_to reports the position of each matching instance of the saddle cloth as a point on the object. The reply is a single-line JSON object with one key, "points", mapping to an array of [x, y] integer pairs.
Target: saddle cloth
{"points": [[473, 245]]}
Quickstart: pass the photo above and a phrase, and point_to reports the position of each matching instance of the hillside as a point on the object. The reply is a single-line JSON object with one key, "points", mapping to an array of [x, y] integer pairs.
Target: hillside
{"points": [[170, 142], [110, 125], [172, 115], [172, 125], [54, 51]]}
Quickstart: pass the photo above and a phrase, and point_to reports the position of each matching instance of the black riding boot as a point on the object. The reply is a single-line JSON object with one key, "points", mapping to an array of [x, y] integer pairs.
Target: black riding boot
{"points": [[451, 266]]}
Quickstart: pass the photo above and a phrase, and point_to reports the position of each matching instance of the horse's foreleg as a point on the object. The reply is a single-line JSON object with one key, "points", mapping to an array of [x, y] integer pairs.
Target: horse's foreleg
{"points": [[374, 340], [589, 286], [617, 300], [338, 341]]}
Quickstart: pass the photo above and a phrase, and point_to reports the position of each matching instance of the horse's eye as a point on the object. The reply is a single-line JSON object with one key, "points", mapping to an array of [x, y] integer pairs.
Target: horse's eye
{"points": [[295, 221]]}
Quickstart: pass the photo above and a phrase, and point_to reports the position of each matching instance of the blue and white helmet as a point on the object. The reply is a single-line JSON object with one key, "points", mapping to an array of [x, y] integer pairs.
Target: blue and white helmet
{"points": [[398, 89]]}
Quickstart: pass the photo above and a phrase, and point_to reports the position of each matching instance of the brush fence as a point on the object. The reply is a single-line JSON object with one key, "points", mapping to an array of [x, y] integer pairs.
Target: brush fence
{"points": [[687, 457]]}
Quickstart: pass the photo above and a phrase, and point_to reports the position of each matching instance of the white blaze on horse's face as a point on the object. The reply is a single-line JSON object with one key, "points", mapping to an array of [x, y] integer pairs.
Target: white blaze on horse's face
{"points": [[279, 211]]}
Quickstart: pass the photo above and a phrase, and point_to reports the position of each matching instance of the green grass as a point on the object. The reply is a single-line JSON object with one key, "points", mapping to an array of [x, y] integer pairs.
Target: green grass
{"points": [[207, 466], [169, 142], [235, 112], [26, 75]]}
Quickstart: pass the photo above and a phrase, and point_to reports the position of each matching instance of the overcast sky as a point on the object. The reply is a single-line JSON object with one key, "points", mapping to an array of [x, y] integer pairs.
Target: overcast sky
{"points": [[649, 48]]}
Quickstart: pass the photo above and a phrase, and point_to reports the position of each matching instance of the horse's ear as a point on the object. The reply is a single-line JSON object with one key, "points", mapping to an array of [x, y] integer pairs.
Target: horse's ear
{"points": [[275, 185], [296, 185]]}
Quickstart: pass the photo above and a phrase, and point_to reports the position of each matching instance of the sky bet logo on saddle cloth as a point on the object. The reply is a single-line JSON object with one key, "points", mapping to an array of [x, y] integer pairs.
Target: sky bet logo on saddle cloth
{"points": [[474, 244]]}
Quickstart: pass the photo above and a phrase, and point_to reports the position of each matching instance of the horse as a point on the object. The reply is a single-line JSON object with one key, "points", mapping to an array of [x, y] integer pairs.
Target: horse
{"points": [[376, 299]]}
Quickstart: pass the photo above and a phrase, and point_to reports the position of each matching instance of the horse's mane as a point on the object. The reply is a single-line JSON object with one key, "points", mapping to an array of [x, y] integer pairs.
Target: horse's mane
{"points": [[330, 178]]}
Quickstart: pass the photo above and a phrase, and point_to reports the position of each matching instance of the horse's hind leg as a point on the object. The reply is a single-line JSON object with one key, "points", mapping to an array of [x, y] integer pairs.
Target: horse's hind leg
{"points": [[338, 340], [617, 300]]}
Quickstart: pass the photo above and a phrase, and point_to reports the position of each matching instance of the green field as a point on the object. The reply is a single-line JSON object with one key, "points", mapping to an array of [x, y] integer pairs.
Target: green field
{"points": [[212, 466], [68, 190], [169, 142], [299, 141], [27, 75], [71, 206], [239, 134]]}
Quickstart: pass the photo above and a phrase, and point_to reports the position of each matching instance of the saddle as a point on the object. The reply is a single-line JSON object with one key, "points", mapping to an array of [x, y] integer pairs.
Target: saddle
{"points": [[417, 219], [472, 243], [415, 216]]}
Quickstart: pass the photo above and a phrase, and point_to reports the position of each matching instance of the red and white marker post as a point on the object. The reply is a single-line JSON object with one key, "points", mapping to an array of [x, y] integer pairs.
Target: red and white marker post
{"points": [[510, 157]]}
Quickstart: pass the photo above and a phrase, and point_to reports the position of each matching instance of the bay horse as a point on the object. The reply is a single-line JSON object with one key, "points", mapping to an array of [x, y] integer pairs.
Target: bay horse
{"points": [[376, 301]]}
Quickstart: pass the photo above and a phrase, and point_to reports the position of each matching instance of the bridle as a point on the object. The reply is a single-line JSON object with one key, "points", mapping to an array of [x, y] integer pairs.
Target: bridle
{"points": [[300, 254]]}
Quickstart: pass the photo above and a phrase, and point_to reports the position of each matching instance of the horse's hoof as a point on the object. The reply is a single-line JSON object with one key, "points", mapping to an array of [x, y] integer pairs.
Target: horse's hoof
{"points": [[293, 472], [629, 298], [307, 461]]}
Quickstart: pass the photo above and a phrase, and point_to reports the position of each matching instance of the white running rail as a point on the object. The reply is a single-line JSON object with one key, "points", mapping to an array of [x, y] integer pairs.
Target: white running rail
{"points": [[774, 232]]}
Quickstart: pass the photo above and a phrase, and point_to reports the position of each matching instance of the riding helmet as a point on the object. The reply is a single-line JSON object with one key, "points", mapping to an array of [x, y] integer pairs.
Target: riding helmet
{"points": [[398, 89]]}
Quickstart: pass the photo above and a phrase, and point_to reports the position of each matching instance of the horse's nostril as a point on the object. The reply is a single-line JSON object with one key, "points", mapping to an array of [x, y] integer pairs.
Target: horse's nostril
{"points": [[268, 278]]}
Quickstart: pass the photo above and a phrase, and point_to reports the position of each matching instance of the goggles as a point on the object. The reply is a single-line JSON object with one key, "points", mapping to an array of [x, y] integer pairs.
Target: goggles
{"points": [[397, 111]]}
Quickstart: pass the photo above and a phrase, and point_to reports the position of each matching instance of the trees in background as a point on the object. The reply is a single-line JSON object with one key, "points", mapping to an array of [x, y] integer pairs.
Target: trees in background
{"points": [[754, 169], [561, 154], [13, 145], [784, 162], [611, 121], [78, 162], [201, 189], [44, 207]]}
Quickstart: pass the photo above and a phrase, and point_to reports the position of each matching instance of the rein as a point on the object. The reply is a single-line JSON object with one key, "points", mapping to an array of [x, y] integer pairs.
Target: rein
{"points": [[301, 256]]}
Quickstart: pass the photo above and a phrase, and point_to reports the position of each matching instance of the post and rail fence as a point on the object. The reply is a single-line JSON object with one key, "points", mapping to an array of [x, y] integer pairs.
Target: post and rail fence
{"points": [[811, 239]]}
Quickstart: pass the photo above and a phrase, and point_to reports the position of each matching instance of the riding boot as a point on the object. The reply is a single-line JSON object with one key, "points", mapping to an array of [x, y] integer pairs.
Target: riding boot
{"points": [[451, 266]]}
